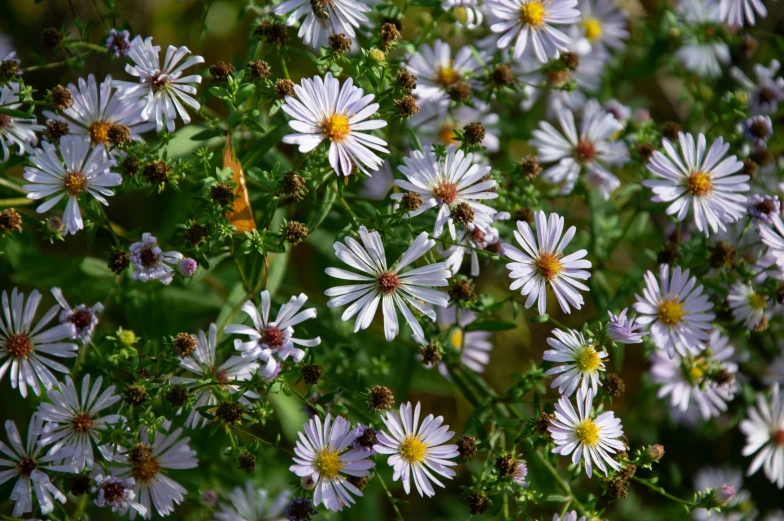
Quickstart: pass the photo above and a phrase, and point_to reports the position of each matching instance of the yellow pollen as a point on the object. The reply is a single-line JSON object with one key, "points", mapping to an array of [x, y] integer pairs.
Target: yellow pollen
{"points": [[587, 433], [457, 339], [328, 463], [99, 132], [413, 450], [757, 301], [671, 312], [336, 127], [593, 28], [447, 135], [145, 471], [532, 13], [446, 75], [74, 183], [548, 265], [460, 14], [700, 184], [588, 360], [697, 371]]}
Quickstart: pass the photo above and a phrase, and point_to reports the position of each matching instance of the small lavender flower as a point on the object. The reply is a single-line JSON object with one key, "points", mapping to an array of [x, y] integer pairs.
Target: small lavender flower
{"points": [[764, 208], [187, 267], [366, 438], [209, 498], [521, 472], [725, 493], [757, 130], [299, 509], [117, 494], [624, 330], [152, 263], [119, 42]]}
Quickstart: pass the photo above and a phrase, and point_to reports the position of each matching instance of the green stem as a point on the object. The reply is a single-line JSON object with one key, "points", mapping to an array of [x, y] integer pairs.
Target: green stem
{"points": [[560, 480], [391, 499], [663, 492], [265, 442]]}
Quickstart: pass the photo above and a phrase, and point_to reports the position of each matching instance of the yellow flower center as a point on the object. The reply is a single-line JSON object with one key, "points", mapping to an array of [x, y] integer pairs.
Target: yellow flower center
{"points": [[457, 339], [328, 463], [532, 13], [697, 370], [700, 184], [99, 132], [74, 183], [587, 433], [336, 127], [593, 28], [447, 135], [548, 265], [460, 14], [413, 450], [757, 301], [446, 75], [588, 360], [146, 470], [671, 312]]}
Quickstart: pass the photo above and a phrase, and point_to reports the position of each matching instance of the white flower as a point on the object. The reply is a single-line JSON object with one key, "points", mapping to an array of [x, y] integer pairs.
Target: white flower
{"points": [[736, 12], [378, 186], [580, 362], [764, 430], [737, 508], [436, 71], [202, 363], [80, 171], [520, 474], [522, 20], [603, 25], [416, 449], [624, 330], [152, 263], [325, 110], [702, 180], [145, 461], [435, 125], [13, 130], [385, 285], [569, 516], [773, 238], [704, 58], [270, 340], [765, 94], [474, 346], [24, 462], [473, 238], [588, 151], [705, 380], [594, 441], [323, 453], [22, 346], [324, 18], [542, 263], [95, 110], [83, 318], [448, 184], [252, 504], [117, 494], [466, 12], [774, 372], [677, 313], [164, 90], [747, 305]]}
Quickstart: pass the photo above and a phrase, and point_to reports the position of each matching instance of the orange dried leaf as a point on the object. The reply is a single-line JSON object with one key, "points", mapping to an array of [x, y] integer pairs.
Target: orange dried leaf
{"points": [[242, 216]]}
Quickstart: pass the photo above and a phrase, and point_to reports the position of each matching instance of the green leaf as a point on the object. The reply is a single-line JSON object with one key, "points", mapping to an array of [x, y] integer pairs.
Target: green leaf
{"points": [[491, 325], [207, 134], [540, 319], [321, 213]]}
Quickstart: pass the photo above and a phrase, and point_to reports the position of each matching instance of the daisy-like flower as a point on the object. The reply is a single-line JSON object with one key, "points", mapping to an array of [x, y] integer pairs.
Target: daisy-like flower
{"points": [[589, 151], [737, 12], [117, 494], [74, 422], [521, 20], [83, 318], [80, 171], [707, 59], [763, 208], [765, 94], [474, 346], [146, 461], [774, 372], [705, 380], [466, 12], [202, 363], [162, 89], [764, 430], [252, 504], [323, 452], [435, 126], [269, 341], [473, 238], [624, 330], [701, 180], [520, 474], [739, 506], [417, 450], [379, 284], [773, 238], [542, 263], [14, 131], [152, 263], [96, 111], [747, 305], [603, 26], [580, 362], [569, 516], [25, 463], [455, 185], [675, 310], [323, 109], [758, 130], [119, 42], [324, 18], [22, 347], [595, 441], [437, 71]]}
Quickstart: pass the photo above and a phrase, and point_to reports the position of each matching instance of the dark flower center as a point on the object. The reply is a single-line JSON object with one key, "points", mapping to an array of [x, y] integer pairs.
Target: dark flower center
{"points": [[159, 81], [585, 150], [75, 183], [26, 466], [5, 121], [81, 318], [446, 192], [759, 129], [767, 206], [320, 8], [778, 438], [18, 346], [388, 282], [113, 491], [222, 376], [273, 337], [145, 471], [766, 95], [477, 235], [82, 422], [148, 257]]}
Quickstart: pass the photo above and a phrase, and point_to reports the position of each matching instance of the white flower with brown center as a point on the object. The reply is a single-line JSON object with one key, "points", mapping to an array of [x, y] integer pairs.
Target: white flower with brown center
{"points": [[324, 18], [82, 317], [580, 362], [764, 430], [150, 262], [416, 450], [437, 71], [80, 171], [325, 110], [15, 131]]}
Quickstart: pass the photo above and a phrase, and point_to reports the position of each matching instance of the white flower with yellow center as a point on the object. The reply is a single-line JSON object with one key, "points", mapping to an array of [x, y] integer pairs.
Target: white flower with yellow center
{"points": [[466, 12], [474, 346], [437, 71], [524, 20], [323, 453], [416, 449], [594, 440], [764, 430], [677, 313], [580, 362], [603, 26], [542, 263], [324, 18], [748, 306], [323, 109]]}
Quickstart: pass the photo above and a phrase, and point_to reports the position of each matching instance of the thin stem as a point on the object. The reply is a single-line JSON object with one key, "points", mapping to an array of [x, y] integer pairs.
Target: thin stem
{"points": [[391, 499], [663, 492], [560, 480], [265, 442]]}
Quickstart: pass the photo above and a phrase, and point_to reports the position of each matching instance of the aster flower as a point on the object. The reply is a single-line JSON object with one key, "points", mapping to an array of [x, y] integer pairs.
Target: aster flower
{"points": [[323, 109], [747, 305], [252, 504], [714, 478], [580, 362], [736, 12], [473, 238], [378, 186], [119, 42], [521, 20], [300, 509], [152, 263], [624, 330], [25, 463], [83, 318], [448, 184], [117, 494], [707, 59], [520, 474], [416, 449], [145, 462], [435, 126], [467, 12], [80, 171], [203, 365], [436, 70], [764, 430], [758, 130], [773, 238], [569, 516], [675, 310], [774, 372], [763, 208], [589, 151], [323, 453], [164, 90], [474, 346], [703, 181], [381, 284], [765, 94], [542, 263], [603, 26], [22, 347], [595, 441], [14, 131], [269, 341], [324, 18]]}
